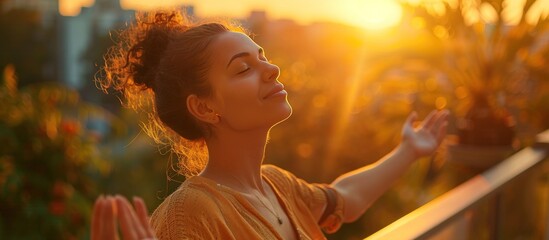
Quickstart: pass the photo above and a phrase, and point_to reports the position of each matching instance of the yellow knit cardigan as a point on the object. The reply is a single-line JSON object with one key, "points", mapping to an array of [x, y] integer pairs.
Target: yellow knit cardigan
{"points": [[202, 209]]}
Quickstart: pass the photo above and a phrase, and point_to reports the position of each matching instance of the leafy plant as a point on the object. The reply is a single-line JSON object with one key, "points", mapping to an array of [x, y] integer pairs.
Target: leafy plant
{"points": [[48, 158], [495, 65]]}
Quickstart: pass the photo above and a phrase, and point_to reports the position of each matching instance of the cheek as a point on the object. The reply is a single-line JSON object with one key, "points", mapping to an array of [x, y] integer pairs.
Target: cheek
{"points": [[241, 97]]}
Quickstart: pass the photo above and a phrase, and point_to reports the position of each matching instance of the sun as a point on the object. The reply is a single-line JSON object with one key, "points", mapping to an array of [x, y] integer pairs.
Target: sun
{"points": [[371, 14]]}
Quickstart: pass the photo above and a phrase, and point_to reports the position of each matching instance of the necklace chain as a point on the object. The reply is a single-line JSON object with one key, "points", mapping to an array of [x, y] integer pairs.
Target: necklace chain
{"points": [[264, 205], [270, 210]]}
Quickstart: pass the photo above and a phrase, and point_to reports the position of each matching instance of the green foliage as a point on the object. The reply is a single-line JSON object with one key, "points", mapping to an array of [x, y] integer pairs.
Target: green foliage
{"points": [[47, 160], [59, 153]]}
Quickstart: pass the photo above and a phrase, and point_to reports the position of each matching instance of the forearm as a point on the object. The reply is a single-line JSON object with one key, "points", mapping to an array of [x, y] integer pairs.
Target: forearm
{"points": [[361, 187]]}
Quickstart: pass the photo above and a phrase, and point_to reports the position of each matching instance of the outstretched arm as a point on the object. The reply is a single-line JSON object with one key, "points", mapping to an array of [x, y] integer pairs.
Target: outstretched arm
{"points": [[361, 187]]}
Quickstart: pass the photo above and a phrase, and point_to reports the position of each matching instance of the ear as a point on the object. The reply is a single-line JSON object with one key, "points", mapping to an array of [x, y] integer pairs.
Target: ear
{"points": [[200, 109]]}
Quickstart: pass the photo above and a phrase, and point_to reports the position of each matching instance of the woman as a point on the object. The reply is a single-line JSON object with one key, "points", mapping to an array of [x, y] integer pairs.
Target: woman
{"points": [[215, 90]]}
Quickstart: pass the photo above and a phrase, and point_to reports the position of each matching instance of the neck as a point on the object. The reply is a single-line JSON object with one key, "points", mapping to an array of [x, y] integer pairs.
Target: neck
{"points": [[235, 160]]}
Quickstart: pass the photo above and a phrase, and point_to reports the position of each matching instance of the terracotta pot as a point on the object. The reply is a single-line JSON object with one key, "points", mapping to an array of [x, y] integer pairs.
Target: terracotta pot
{"points": [[476, 158], [486, 125]]}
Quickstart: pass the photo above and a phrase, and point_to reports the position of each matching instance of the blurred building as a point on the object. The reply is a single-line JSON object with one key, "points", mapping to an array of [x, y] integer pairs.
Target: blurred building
{"points": [[76, 34]]}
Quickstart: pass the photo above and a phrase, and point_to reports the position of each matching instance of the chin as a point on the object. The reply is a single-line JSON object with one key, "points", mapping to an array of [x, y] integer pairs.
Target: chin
{"points": [[287, 113], [290, 111]]}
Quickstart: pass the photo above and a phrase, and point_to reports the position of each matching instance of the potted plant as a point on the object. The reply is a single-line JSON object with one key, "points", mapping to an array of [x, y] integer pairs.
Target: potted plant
{"points": [[498, 68]]}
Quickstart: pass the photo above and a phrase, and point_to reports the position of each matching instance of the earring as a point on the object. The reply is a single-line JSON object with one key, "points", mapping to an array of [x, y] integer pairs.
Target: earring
{"points": [[217, 117]]}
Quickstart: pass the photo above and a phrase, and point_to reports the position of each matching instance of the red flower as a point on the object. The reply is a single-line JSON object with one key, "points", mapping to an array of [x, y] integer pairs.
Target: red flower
{"points": [[70, 127], [57, 207]]}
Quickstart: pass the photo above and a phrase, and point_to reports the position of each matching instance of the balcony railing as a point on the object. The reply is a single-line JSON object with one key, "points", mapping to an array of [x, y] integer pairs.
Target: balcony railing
{"points": [[426, 221]]}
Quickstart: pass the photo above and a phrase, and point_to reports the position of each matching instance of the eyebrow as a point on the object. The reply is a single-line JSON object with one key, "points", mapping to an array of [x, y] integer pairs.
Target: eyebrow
{"points": [[244, 54]]}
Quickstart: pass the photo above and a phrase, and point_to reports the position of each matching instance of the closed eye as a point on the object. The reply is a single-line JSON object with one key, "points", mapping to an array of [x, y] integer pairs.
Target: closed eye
{"points": [[243, 71], [262, 57]]}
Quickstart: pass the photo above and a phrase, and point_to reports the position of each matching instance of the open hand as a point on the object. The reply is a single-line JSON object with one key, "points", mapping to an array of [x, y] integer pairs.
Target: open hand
{"points": [[134, 225], [425, 138]]}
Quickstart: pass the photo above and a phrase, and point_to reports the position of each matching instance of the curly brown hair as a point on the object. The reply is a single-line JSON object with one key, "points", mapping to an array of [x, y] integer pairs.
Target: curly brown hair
{"points": [[156, 64]]}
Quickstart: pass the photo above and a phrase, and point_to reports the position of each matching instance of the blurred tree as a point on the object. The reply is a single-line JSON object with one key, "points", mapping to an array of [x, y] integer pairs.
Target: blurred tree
{"points": [[27, 45], [47, 161], [59, 153]]}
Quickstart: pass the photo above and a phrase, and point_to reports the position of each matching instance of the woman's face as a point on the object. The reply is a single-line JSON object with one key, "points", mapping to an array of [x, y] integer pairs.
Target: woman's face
{"points": [[246, 92]]}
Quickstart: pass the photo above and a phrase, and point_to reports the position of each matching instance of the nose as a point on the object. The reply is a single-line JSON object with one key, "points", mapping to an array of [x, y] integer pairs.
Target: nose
{"points": [[272, 72]]}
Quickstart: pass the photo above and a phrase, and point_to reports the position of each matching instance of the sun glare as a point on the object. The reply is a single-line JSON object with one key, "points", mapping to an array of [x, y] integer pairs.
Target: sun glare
{"points": [[372, 14]]}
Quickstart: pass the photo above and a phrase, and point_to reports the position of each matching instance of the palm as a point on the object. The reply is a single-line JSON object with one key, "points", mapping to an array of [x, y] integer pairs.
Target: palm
{"points": [[425, 138]]}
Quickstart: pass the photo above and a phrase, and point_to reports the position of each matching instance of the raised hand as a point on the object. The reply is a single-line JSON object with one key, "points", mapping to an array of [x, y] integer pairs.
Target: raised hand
{"points": [[425, 138], [103, 219], [133, 224]]}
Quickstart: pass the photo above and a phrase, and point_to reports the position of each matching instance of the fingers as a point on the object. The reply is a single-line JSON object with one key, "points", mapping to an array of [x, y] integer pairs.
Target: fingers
{"points": [[440, 119], [411, 118], [129, 223], [437, 125], [103, 219], [139, 227], [107, 229], [96, 218], [408, 127], [133, 225], [441, 132], [441, 125], [428, 121], [435, 120], [143, 215]]}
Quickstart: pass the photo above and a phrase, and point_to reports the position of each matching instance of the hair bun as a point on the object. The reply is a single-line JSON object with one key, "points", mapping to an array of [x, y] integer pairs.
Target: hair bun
{"points": [[149, 45]]}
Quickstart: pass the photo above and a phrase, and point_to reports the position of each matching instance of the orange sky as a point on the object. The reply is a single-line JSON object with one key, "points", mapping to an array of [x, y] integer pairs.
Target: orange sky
{"points": [[304, 11], [300, 10]]}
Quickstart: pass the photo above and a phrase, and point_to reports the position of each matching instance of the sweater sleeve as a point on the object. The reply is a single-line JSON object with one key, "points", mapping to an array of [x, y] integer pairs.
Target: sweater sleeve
{"points": [[314, 196], [188, 214]]}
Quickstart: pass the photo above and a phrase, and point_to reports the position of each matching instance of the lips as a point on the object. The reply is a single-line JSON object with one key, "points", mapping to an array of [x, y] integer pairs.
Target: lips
{"points": [[278, 89]]}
